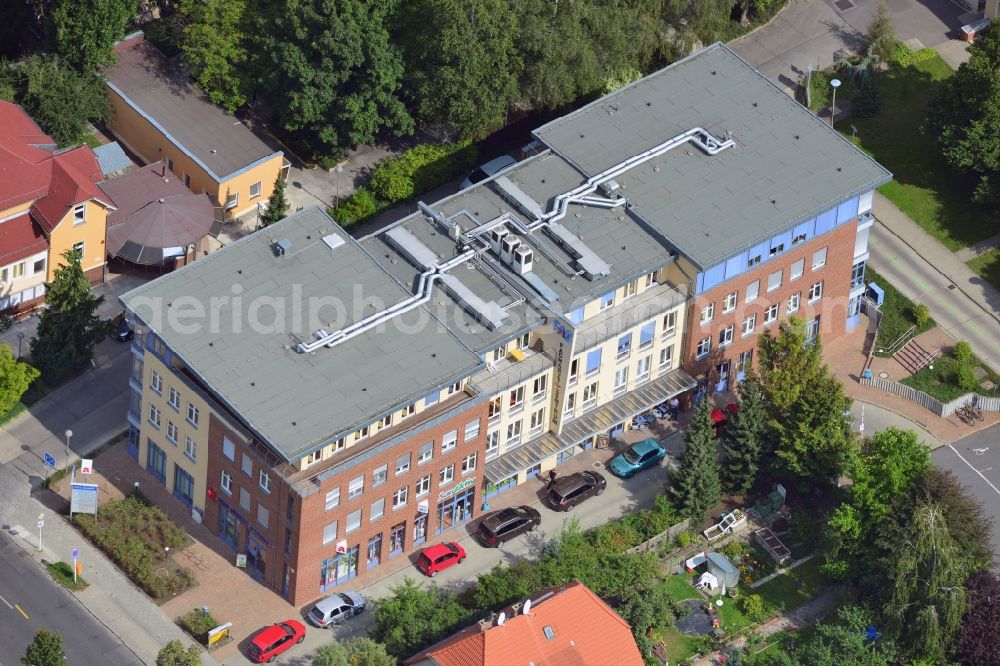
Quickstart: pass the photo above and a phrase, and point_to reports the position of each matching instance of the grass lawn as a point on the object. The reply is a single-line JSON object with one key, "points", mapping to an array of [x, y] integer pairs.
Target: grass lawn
{"points": [[941, 382], [924, 187], [793, 588], [63, 574], [679, 645], [679, 587], [897, 313], [987, 266]]}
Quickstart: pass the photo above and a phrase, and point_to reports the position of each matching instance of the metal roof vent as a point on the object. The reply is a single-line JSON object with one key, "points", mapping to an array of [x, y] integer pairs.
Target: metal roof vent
{"points": [[282, 247], [609, 187], [333, 241]]}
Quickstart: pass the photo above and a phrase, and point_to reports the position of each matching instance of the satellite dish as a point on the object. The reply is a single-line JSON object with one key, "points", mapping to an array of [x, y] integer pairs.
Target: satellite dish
{"points": [[527, 606], [501, 619]]}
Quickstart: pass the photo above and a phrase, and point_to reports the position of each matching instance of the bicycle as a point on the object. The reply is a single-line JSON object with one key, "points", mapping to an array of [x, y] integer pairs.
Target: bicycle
{"points": [[976, 410], [964, 416]]}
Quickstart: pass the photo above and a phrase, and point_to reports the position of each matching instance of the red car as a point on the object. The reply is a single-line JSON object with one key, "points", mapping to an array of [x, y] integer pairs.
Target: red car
{"points": [[273, 640], [439, 557]]}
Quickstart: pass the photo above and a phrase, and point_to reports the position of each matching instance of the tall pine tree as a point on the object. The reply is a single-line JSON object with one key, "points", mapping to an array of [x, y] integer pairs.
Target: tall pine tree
{"points": [[45, 650], [696, 486], [68, 329], [742, 441], [277, 204]]}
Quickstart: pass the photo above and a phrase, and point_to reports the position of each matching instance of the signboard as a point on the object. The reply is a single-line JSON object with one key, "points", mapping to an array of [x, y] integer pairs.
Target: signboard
{"points": [[342, 547], [241, 561], [83, 498], [468, 483], [219, 635], [41, 524], [76, 553], [86, 466], [564, 331], [423, 507], [50, 460]]}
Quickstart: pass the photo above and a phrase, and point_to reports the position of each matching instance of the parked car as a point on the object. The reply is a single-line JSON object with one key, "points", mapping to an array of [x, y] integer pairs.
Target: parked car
{"points": [[483, 172], [121, 331], [568, 491], [268, 643], [336, 608], [503, 525], [439, 557], [641, 455]]}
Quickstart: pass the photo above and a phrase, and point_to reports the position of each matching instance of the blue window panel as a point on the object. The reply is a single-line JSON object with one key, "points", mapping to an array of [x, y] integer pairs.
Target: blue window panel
{"points": [[805, 228], [847, 210], [432, 398], [593, 360], [699, 285], [784, 240], [735, 266], [646, 333], [759, 250], [713, 276], [576, 316], [826, 221]]}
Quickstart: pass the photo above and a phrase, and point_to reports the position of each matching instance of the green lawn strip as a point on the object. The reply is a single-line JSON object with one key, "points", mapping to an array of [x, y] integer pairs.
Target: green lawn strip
{"points": [[987, 266], [679, 587], [679, 645], [941, 381], [63, 574], [792, 588], [934, 195], [897, 313]]}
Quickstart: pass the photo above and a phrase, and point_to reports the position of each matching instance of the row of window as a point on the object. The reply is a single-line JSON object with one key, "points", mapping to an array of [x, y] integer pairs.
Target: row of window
{"points": [[608, 300], [515, 399], [750, 323], [226, 483], [589, 395], [518, 343], [173, 399], [246, 466], [647, 335], [15, 271]]}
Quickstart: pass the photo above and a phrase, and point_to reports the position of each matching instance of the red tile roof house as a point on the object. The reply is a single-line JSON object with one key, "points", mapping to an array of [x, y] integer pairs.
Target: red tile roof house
{"points": [[559, 626]]}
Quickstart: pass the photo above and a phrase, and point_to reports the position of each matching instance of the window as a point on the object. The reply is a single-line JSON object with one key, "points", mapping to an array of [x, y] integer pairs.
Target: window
{"points": [[492, 444], [753, 261], [264, 480], [621, 380], [646, 335], [262, 514], [522, 342], [385, 422], [593, 361], [187, 180], [589, 395], [339, 444], [170, 164], [538, 388], [80, 247], [255, 190], [403, 464], [797, 268], [570, 404], [494, 410], [245, 498], [79, 214], [630, 289], [226, 482], [330, 533], [753, 289], [408, 411], [729, 303], [726, 336], [624, 346], [332, 499], [812, 330], [749, 324], [247, 465], [4, 275], [377, 509], [154, 416], [425, 453], [513, 434], [190, 448], [379, 475], [431, 398], [774, 280], [816, 291], [448, 441], [704, 347], [18, 270], [776, 250], [858, 275], [469, 463], [471, 431], [667, 358], [454, 388], [228, 448], [651, 279], [39, 266], [361, 434], [192, 415], [356, 487], [746, 358], [171, 432], [233, 201], [642, 369], [576, 316], [819, 258], [353, 521], [156, 382], [499, 353], [669, 324], [798, 238], [770, 314], [537, 422], [707, 313], [314, 457], [516, 399], [574, 371], [447, 475], [607, 300], [423, 486], [175, 399], [793, 302]]}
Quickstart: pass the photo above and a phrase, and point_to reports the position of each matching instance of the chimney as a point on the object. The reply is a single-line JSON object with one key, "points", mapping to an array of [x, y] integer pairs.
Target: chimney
{"points": [[515, 608]]}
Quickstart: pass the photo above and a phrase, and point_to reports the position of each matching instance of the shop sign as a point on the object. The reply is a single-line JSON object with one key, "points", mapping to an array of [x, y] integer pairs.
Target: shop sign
{"points": [[468, 483]]}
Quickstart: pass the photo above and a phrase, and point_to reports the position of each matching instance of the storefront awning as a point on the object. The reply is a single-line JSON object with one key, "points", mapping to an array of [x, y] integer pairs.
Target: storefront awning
{"points": [[599, 420]]}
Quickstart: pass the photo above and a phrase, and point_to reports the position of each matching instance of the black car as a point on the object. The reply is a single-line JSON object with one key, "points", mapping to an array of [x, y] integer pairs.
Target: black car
{"points": [[121, 331], [568, 491], [503, 525]]}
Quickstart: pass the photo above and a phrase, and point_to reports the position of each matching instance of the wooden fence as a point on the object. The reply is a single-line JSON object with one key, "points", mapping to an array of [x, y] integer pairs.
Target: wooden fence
{"points": [[931, 404], [669, 535]]}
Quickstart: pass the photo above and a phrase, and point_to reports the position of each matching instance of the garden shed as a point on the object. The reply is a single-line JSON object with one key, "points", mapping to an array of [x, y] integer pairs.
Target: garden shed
{"points": [[720, 567]]}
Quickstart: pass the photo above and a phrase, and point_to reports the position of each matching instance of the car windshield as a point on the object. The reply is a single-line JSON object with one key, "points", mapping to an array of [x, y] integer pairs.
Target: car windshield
{"points": [[452, 547], [631, 456], [423, 559], [346, 599], [288, 630], [478, 175]]}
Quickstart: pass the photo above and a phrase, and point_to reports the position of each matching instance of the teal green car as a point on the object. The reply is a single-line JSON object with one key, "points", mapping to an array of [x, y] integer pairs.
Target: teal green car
{"points": [[641, 455]]}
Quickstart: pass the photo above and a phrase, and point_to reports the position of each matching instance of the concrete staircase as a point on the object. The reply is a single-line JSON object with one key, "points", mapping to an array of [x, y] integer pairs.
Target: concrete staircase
{"points": [[913, 357]]}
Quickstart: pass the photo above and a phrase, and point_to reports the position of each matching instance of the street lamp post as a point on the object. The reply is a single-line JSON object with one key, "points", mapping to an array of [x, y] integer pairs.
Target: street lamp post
{"points": [[834, 83], [339, 170], [41, 522], [68, 433], [20, 337]]}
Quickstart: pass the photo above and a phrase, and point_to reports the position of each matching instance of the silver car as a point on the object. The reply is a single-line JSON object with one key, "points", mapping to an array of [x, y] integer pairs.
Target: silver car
{"points": [[483, 172], [336, 608]]}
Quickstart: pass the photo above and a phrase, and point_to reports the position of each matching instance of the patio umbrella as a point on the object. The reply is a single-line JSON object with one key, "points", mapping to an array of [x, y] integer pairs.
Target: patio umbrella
{"points": [[718, 416]]}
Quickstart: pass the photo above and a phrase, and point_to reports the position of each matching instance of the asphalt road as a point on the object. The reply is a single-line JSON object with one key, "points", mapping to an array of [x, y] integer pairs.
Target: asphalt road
{"points": [[975, 462], [30, 600]]}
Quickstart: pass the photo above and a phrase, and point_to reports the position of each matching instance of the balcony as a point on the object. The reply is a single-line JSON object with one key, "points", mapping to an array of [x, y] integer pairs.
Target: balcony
{"points": [[507, 372], [637, 310]]}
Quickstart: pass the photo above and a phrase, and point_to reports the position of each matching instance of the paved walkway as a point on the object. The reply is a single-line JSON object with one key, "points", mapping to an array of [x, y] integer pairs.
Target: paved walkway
{"points": [[980, 248]]}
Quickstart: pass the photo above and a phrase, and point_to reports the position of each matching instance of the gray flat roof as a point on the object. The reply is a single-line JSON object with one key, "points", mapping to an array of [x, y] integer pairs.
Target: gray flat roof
{"points": [[787, 165], [156, 90], [245, 352]]}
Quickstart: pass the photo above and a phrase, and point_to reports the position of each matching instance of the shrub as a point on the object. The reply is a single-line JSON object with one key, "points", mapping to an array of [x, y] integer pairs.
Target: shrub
{"points": [[901, 55], [962, 352], [354, 208], [869, 102], [420, 169], [753, 607], [198, 623], [683, 539], [966, 378], [922, 315]]}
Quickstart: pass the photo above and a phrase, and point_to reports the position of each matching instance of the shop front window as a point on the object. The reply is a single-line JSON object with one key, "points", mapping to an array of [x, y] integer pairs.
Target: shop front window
{"points": [[420, 529], [374, 551], [455, 510], [339, 569], [397, 539]]}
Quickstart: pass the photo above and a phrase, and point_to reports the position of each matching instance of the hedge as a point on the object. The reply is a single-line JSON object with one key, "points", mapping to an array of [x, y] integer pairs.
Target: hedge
{"points": [[903, 56], [355, 208], [420, 169]]}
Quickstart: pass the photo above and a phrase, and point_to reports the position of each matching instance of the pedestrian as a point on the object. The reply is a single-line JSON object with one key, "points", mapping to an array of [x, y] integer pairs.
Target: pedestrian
{"points": [[552, 476], [675, 408]]}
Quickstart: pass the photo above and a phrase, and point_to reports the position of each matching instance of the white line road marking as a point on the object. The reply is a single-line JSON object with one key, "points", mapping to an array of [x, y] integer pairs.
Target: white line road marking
{"points": [[995, 489], [6, 602]]}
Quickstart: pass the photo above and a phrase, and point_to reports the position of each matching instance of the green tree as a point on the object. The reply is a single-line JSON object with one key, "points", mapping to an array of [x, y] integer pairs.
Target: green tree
{"points": [[213, 47], [85, 31], [175, 654], [885, 467], [354, 652], [45, 650], [759, 6], [980, 633], [331, 73], [15, 378], [881, 34], [644, 607], [696, 486], [277, 204], [842, 641], [68, 329], [412, 617], [742, 440], [61, 100], [966, 112], [926, 580], [462, 62]]}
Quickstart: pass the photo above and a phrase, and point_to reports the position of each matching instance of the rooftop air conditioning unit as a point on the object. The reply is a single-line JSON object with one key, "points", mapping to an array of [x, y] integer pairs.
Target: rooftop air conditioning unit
{"points": [[523, 258], [609, 187], [510, 243], [496, 237]]}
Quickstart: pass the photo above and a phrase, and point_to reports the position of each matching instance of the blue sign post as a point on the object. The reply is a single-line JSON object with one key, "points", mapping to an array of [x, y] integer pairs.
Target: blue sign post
{"points": [[50, 460], [76, 554]]}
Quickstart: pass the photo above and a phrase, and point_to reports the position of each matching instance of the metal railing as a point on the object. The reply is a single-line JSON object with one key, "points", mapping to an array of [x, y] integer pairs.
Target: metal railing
{"points": [[897, 344]]}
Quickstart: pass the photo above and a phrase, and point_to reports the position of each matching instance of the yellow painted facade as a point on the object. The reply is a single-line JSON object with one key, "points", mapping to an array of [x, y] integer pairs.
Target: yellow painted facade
{"points": [[16, 210], [150, 144], [92, 232]]}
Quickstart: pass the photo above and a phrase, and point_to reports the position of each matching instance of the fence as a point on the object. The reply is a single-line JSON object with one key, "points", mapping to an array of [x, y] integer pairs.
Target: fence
{"points": [[667, 536], [986, 403]]}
